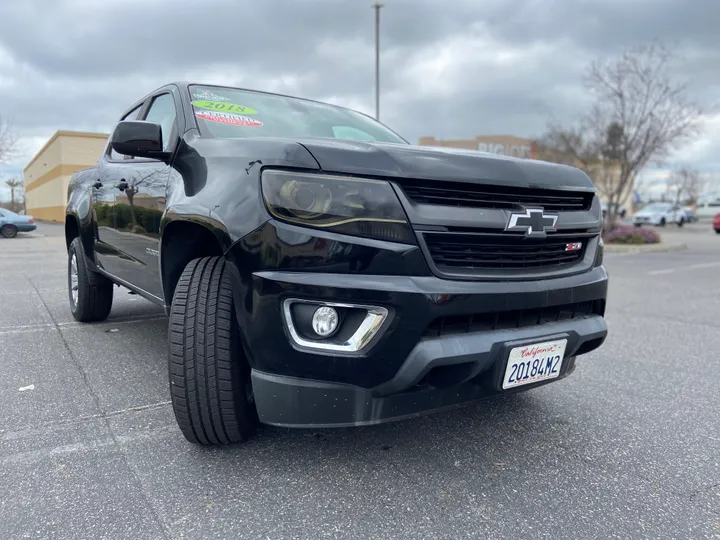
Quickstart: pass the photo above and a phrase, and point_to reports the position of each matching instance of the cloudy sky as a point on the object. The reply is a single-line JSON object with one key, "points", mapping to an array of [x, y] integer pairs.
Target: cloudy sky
{"points": [[450, 68]]}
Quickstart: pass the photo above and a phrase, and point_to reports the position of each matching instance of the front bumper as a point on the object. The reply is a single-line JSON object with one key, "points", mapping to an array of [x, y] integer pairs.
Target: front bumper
{"points": [[473, 364], [644, 220]]}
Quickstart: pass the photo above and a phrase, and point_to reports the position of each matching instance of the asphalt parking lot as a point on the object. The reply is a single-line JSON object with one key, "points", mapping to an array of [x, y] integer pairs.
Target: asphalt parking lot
{"points": [[627, 447]]}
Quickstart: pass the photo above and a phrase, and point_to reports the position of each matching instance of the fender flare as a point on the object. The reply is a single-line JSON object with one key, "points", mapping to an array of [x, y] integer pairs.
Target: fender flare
{"points": [[198, 215], [87, 233]]}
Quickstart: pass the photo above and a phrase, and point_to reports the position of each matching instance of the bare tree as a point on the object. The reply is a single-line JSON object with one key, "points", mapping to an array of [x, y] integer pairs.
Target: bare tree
{"points": [[150, 182], [685, 184], [580, 147], [8, 140], [640, 115]]}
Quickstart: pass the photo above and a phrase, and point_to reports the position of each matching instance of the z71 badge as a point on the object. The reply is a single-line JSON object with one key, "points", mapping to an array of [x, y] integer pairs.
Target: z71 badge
{"points": [[574, 246]]}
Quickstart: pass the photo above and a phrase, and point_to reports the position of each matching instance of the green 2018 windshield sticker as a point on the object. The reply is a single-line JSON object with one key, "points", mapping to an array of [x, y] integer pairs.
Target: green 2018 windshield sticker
{"points": [[223, 106]]}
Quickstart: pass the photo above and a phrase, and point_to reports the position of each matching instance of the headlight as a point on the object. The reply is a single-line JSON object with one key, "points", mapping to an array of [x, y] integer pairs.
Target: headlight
{"points": [[355, 206]]}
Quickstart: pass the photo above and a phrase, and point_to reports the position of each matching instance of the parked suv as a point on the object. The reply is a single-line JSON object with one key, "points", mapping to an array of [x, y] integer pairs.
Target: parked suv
{"points": [[318, 270]]}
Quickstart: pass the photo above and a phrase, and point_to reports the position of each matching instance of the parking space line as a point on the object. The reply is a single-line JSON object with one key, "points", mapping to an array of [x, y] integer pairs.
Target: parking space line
{"points": [[141, 318], [689, 267], [18, 433], [73, 324], [27, 457], [22, 293]]}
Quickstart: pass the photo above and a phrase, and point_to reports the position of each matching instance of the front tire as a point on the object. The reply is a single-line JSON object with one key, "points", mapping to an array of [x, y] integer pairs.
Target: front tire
{"points": [[9, 231], [90, 293], [209, 375], [662, 222]]}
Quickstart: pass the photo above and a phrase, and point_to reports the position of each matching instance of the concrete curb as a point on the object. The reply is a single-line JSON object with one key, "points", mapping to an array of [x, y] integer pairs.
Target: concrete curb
{"points": [[643, 248]]}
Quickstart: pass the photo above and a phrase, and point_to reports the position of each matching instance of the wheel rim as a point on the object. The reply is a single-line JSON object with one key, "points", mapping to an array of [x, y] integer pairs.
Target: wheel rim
{"points": [[73, 280]]}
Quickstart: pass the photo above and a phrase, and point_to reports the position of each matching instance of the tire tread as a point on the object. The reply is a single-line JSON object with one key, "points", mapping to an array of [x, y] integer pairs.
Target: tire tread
{"points": [[207, 379], [95, 291]]}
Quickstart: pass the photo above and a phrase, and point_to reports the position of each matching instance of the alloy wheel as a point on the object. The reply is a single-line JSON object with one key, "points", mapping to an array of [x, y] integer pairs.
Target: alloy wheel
{"points": [[73, 280]]}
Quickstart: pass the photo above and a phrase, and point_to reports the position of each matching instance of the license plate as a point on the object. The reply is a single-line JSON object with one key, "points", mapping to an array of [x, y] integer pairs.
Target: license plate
{"points": [[534, 363]]}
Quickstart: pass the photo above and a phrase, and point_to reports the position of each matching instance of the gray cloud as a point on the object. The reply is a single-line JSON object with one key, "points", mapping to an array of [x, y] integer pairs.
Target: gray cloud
{"points": [[500, 67]]}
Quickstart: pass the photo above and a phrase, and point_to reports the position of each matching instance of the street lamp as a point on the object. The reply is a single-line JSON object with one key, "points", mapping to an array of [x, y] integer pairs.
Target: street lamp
{"points": [[376, 7]]}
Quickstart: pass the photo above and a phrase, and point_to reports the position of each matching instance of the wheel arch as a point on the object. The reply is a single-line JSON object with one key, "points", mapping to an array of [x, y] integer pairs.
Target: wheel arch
{"points": [[182, 240], [74, 229], [10, 227]]}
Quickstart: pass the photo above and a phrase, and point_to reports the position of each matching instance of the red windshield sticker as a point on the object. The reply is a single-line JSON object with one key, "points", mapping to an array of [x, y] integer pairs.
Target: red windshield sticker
{"points": [[227, 118]]}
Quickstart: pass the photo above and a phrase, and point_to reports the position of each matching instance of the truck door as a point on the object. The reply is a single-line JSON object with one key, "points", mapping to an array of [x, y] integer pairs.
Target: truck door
{"points": [[140, 186]]}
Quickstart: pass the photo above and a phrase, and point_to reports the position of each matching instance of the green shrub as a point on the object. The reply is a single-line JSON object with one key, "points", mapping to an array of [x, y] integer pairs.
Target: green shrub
{"points": [[119, 216]]}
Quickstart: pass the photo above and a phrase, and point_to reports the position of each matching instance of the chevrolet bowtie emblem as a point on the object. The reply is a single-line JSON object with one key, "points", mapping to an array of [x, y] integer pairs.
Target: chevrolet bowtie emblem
{"points": [[533, 221]]}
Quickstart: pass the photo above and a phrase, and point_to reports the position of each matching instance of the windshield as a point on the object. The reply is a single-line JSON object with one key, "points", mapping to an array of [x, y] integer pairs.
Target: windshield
{"points": [[657, 207], [233, 113]]}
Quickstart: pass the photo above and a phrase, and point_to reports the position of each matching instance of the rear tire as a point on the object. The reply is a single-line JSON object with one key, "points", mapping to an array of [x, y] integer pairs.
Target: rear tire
{"points": [[90, 294], [209, 375], [717, 231], [681, 222], [662, 222], [9, 231]]}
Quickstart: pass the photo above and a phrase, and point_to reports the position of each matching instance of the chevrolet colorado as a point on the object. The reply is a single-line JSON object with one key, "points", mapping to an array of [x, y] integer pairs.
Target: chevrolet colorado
{"points": [[318, 270]]}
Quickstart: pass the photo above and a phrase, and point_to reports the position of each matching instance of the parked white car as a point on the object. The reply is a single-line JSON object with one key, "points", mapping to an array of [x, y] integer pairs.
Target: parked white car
{"points": [[660, 214]]}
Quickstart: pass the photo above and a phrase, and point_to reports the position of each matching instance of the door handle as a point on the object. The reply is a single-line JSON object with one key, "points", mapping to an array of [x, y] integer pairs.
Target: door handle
{"points": [[98, 184], [122, 185]]}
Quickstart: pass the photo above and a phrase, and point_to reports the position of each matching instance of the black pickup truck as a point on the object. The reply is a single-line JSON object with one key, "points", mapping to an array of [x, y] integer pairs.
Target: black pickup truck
{"points": [[320, 271]]}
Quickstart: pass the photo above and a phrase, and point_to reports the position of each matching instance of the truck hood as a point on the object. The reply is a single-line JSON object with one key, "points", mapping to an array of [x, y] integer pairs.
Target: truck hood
{"points": [[441, 164]]}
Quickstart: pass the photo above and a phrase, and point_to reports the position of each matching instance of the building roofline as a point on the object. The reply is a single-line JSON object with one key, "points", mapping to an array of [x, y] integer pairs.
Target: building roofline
{"points": [[63, 133]]}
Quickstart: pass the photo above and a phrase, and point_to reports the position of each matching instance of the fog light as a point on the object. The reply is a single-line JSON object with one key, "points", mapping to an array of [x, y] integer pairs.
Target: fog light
{"points": [[325, 321], [332, 327]]}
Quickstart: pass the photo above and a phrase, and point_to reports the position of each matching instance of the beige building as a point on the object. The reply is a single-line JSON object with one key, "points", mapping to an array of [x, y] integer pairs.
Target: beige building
{"points": [[507, 145], [47, 175]]}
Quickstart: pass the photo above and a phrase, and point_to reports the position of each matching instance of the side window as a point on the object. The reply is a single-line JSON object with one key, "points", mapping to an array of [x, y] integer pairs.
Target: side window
{"points": [[162, 111], [132, 115]]}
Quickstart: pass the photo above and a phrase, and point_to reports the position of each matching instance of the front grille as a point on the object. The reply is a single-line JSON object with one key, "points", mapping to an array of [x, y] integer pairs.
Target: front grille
{"points": [[496, 251], [506, 320], [487, 196]]}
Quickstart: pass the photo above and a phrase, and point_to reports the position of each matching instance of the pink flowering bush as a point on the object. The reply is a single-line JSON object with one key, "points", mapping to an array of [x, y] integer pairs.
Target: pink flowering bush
{"points": [[632, 235]]}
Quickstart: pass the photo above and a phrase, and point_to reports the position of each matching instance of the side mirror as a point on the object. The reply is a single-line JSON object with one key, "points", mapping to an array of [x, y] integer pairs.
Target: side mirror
{"points": [[139, 139]]}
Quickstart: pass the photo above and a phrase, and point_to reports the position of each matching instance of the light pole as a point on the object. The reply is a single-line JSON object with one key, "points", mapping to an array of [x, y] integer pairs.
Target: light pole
{"points": [[376, 7]]}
